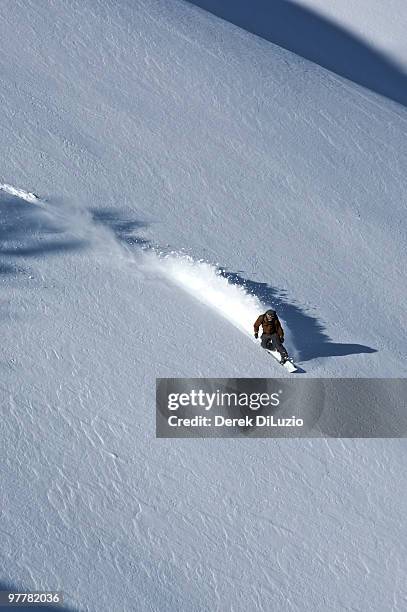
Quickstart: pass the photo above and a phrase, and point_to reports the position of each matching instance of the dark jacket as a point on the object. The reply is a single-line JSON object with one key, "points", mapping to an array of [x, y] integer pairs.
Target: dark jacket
{"points": [[269, 327]]}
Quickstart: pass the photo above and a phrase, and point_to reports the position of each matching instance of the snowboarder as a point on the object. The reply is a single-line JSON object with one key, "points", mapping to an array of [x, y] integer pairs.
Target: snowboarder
{"points": [[272, 337]]}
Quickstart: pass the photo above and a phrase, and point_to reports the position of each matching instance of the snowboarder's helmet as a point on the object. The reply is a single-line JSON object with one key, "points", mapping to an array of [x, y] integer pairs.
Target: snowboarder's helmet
{"points": [[271, 313]]}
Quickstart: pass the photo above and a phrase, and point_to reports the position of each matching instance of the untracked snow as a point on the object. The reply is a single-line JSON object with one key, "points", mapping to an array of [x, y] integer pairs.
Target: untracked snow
{"points": [[165, 177]]}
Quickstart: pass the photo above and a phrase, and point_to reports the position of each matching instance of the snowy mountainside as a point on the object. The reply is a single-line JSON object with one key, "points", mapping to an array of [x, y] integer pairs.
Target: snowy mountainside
{"points": [[332, 154], [165, 176]]}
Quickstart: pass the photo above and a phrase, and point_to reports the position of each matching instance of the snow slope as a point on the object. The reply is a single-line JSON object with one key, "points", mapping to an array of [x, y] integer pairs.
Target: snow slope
{"points": [[353, 40], [164, 146]]}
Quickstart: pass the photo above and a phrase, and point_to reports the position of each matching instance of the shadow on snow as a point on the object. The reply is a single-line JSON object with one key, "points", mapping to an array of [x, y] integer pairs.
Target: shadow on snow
{"points": [[315, 38], [25, 232], [125, 230], [307, 332]]}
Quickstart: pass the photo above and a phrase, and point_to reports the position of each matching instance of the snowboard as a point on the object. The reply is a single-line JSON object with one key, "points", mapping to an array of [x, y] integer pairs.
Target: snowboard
{"points": [[288, 365]]}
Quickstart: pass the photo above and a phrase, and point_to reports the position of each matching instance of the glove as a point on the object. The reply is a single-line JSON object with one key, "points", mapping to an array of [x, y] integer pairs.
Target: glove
{"points": [[282, 339], [256, 335]]}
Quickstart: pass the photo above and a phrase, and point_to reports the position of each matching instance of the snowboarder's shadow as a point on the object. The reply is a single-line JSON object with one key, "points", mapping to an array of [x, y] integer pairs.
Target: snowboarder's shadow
{"points": [[308, 334]]}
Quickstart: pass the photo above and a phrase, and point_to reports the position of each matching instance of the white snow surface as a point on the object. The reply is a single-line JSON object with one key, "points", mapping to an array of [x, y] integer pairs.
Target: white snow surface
{"points": [[166, 176]]}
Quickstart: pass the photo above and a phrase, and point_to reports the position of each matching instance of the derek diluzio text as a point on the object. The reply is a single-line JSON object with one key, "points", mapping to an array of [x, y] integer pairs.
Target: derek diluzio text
{"points": [[220, 421]]}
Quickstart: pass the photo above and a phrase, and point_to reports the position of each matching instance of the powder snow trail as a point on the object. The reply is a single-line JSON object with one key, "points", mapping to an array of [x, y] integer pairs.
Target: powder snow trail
{"points": [[198, 278]]}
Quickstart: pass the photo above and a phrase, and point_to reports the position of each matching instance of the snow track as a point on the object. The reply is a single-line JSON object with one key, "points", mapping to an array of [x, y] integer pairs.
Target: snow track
{"points": [[201, 279], [205, 282], [19, 193]]}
